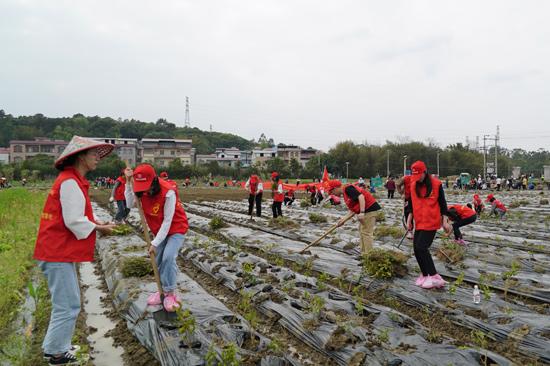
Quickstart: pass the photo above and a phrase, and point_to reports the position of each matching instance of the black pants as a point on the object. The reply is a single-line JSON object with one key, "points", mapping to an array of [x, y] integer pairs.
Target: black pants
{"points": [[390, 193], [462, 222], [277, 210], [313, 198], [478, 209], [288, 201], [258, 200], [422, 242]]}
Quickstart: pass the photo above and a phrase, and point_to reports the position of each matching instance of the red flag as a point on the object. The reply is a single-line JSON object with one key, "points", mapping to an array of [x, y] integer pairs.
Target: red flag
{"points": [[325, 175]]}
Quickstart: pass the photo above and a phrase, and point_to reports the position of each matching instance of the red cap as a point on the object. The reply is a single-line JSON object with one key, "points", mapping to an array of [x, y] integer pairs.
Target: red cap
{"points": [[418, 167], [163, 175], [489, 196], [274, 174], [331, 184], [143, 177], [476, 196]]}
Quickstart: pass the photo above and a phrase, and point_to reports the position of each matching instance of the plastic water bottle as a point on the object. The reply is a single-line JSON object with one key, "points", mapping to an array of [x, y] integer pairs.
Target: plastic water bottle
{"points": [[477, 295]]}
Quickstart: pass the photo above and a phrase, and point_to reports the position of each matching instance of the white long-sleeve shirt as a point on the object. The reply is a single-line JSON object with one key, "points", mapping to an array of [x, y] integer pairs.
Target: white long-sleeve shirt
{"points": [[169, 210], [73, 205]]}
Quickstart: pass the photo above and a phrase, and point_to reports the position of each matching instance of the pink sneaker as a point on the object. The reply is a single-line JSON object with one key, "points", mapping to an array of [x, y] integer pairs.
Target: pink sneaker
{"points": [[154, 299], [420, 280], [433, 282], [171, 302], [461, 242], [440, 279]]}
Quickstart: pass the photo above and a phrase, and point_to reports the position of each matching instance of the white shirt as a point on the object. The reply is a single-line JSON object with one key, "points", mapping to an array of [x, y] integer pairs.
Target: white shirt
{"points": [[499, 181], [73, 205], [169, 210]]}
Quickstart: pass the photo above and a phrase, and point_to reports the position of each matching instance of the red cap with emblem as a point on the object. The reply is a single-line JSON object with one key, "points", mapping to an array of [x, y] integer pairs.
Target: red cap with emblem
{"points": [[143, 177]]}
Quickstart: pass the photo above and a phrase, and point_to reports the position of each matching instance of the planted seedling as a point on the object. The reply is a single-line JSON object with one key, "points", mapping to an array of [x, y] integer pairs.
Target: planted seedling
{"points": [[247, 308], [136, 267], [456, 283], [216, 223], [508, 277], [229, 355], [211, 357], [248, 273], [316, 304], [384, 335], [322, 281], [317, 218], [187, 324], [380, 263]]}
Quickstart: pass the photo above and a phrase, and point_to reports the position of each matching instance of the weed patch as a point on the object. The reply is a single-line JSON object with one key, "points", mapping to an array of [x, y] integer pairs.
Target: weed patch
{"points": [[282, 222], [136, 267], [317, 218], [381, 263], [385, 230], [217, 223]]}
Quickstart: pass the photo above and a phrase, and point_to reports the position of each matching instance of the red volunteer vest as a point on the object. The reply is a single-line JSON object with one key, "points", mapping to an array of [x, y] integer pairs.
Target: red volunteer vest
{"points": [[56, 243], [354, 205], [477, 202], [153, 207], [119, 191], [426, 210], [253, 184], [463, 211], [407, 184], [500, 205], [277, 197]]}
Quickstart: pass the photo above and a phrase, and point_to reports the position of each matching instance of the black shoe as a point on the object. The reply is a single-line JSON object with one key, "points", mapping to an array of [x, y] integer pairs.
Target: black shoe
{"points": [[74, 349], [67, 359]]}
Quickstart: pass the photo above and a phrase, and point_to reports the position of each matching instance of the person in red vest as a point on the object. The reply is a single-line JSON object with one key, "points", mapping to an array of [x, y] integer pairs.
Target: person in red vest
{"points": [[289, 197], [404, 188], [255, 189], [460, 216], [428, 207], [187, 182], [167, 220], [390, 186], [117, 194], [278, 195], [164, 175], [363, 204], [67, 235], [478, 204], [497, 207]]}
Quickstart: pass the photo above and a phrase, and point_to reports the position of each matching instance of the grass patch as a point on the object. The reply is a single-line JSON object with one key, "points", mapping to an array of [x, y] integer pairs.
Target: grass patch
{"points": [[380, 216], [305, 202], [136, 267], [122, 230], [217, 223], [282, 222], [20, 211], [317, 218], [384, 230], [543, 201], [380, 263]]}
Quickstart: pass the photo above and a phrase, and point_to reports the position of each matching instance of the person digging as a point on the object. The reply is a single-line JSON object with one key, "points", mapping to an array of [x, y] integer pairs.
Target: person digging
{"points": [[497, 207], [460, 216], [255, 189], [363, 205], [66, 236], [167, 220]]}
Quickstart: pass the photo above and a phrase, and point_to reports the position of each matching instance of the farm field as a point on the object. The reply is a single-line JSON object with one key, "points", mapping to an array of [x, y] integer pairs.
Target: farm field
{"points": [[250, 298]]}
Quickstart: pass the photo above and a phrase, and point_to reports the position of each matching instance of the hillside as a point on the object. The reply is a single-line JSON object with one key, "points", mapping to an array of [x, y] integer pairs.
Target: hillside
{"points": [[29, 127]]}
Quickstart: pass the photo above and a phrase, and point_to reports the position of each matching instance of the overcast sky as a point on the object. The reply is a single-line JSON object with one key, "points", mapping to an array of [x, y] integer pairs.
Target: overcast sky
{"points": [[304, 72]]}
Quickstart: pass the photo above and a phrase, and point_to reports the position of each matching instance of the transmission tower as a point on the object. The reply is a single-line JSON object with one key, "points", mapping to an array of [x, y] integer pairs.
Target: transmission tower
{"points": [[187, 119]]}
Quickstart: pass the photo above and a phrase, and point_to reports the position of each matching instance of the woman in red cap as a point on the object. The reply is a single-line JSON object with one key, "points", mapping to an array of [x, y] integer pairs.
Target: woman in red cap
{"points": [[277, 194], [478, 204], [66, 236], [497, 207], [361, 203], [167, 220], [428, 207]]}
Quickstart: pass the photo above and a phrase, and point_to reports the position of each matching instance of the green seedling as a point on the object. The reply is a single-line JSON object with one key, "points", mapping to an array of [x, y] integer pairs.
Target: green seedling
{"points": [[229, 356], [187, 324], [216, 223], [317, 218]]}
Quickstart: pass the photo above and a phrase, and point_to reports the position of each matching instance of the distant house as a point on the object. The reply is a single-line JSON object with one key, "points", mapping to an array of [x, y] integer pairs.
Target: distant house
{"points": [[21, 150], [289, 152], [201, 159], [4, 155], [125, 148], [162, 152], [228, 157], [308, 154], [263, 155]]}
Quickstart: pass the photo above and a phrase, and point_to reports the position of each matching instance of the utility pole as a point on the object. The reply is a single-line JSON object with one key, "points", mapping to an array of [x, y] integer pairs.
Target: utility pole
{"points": [[438, 164], [388, 164], [497, 137], [485, 158], [347, 171], [187, 118], [404, 165]]}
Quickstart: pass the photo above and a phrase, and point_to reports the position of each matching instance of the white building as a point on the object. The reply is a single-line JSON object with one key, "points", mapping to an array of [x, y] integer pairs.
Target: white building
{"points": [[125, 148], [4, 155]]}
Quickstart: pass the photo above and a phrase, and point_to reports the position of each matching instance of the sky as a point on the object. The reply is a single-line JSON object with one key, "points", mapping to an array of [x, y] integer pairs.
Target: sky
{"points": [[311, 73]]}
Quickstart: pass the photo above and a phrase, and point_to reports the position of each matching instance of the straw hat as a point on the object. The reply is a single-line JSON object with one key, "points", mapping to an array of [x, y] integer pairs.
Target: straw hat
{"points": [[79, 144]]}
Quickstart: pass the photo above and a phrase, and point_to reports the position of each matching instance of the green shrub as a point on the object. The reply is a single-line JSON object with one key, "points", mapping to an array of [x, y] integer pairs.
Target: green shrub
{"points": [[380, 216], [136, 267], [305, 202], [451, 252], [381, 263], [317, 218], [384, 230]]}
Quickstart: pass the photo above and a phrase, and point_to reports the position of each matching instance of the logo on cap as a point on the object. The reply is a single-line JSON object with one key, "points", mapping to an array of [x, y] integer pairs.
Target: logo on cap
{"points": [[140, 177]]}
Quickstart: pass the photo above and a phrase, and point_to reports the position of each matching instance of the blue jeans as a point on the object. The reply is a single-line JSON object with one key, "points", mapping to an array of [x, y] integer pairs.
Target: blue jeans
{"points": [[122, 210], [167, 252], [65, 298]]}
